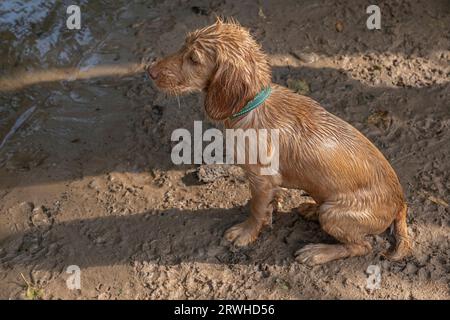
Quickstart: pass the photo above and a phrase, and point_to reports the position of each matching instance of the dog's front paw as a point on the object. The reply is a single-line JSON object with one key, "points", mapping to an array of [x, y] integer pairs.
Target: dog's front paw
{"points": [[243, 233]]}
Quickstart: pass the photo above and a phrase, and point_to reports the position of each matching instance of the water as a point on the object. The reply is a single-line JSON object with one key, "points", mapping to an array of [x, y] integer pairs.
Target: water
{"points": [[22, 118], [39, 54]]}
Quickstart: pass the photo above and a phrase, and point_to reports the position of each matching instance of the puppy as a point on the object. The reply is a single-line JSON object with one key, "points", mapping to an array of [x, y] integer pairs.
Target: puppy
{"points": [[356, 191]]}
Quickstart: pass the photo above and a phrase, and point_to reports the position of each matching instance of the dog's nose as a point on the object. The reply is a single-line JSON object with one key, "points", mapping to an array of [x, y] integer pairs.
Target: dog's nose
{"points": [[153, 72]]}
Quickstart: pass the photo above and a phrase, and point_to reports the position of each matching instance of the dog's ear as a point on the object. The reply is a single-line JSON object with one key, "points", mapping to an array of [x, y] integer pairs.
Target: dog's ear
{"points": [[227, 91]]}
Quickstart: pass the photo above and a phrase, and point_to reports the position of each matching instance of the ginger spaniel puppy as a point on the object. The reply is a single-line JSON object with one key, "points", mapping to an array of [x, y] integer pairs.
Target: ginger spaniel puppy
{"points": [[356, 191]]}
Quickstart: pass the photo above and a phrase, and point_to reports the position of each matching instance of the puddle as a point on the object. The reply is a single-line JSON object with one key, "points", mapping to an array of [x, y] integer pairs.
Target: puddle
{"points": [[39, 56], [22, 118]]}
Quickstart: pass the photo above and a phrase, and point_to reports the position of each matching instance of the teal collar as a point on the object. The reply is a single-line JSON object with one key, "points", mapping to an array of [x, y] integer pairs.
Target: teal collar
{"points": [[255, 103]]}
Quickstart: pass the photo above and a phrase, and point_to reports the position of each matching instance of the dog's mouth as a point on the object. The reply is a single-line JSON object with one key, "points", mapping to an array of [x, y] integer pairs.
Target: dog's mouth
{"points": [[166, 81], [173, 90], [171, 86]]}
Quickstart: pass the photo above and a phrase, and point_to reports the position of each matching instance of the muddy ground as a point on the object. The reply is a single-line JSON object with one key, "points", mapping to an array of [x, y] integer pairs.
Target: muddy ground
{"points": [[86, 177]]}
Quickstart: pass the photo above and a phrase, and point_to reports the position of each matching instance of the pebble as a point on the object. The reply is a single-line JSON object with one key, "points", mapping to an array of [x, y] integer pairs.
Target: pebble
{"points": [[423, 274], [305, 57], [411, 268], [210, 173], [39, 218]]}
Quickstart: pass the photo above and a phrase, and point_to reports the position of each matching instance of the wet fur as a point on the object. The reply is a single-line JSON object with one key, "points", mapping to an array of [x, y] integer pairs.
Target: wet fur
{"points": [[356, 191]]}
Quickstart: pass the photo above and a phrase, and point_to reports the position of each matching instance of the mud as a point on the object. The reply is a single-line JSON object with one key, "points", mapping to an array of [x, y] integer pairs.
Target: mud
{"points": [[86, 177]]}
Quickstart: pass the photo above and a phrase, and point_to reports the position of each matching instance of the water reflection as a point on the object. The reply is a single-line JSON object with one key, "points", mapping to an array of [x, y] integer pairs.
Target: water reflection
{"points": [[25, 79]]}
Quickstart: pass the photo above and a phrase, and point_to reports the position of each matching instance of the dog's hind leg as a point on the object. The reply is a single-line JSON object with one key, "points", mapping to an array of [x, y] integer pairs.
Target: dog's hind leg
{"points": [[348, 228], [309, 211]]}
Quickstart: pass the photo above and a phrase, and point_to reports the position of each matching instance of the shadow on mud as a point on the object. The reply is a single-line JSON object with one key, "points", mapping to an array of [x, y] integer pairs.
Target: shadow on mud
{"points": [[165, 237]]}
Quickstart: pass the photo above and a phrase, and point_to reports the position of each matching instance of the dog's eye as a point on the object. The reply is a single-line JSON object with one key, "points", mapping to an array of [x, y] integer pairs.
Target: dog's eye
{"points": [[194, 59]]}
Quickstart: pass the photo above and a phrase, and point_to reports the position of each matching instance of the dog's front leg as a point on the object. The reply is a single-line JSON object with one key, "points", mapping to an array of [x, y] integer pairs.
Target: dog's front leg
{"points": [[261, 208]]}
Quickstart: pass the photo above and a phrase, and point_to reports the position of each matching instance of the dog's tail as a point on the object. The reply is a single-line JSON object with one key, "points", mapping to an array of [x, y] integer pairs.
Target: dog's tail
{"points": [[403, 243]]}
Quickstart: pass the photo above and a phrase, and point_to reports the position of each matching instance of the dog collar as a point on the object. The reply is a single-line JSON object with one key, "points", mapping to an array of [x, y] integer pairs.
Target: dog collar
{"points": [[255, 103]]}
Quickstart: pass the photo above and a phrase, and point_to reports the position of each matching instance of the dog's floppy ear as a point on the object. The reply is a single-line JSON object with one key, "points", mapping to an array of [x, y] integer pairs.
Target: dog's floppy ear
{"points": [[226, 92]]}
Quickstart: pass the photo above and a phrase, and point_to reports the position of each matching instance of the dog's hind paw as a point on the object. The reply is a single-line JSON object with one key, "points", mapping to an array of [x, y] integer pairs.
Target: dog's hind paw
{"points": [[313, 254]]}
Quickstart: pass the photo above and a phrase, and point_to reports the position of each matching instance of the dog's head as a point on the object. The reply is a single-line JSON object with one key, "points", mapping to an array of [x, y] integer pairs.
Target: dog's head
{"points": [[223, 60]]}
